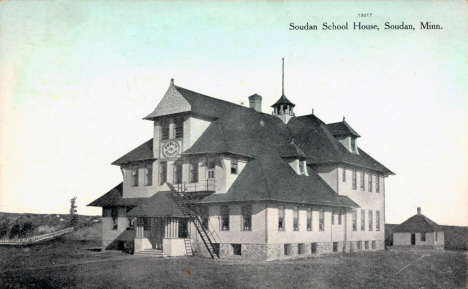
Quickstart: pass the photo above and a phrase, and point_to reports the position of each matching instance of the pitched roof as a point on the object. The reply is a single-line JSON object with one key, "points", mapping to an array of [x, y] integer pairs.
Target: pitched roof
{"points": [[270, 178], [418, 223], [114, 198], [290, 151], [321, 147], [203, 105], [283, 100], [158, 205], [342, 129], [141, 153]]}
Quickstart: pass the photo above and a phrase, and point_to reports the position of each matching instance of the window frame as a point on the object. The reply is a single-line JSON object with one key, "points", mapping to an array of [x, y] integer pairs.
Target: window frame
{"points": [[371, 220], [162, 173], [363, 220], [115, 218], [234, 166], [422, 237], [281, 219], [309, 219], [362, 181], [246, 217], [194, 173], [377, 220], [135, 176], [340, 213], [165, 128], [301, 167], [321, 220], [296, 219], [377, 184], [148, 175], [225, 220], [354, 177], [354, 220], [369, 182], [333, 217], [178, 128], [178, 172], [343, 175], [211, 167]]}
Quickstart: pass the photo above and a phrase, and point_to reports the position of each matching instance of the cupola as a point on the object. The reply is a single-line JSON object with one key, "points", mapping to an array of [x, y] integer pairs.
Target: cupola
{"points": [[283, 108]]}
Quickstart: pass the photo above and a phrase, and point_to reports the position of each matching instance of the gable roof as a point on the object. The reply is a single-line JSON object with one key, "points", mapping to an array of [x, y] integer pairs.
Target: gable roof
{"points": [[114, 198], [141, 153], [200, 104], [158, 205], [342, 129], [418, 223]]}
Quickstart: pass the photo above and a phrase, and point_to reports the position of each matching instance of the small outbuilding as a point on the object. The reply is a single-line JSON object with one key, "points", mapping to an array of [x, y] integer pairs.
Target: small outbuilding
{"points": [[419, 231]]}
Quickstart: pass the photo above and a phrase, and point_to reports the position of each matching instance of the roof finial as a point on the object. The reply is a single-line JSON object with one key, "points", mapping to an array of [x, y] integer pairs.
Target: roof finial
{"points": [[172, 80], [283, 76], [312, 111], [344, 118]]}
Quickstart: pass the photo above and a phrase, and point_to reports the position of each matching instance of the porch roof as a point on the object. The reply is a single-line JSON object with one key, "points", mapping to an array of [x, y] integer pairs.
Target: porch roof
{"points": [[158, 205]]}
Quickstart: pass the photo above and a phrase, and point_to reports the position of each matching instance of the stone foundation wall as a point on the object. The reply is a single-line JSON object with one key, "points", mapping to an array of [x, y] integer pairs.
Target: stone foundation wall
{"points": [[413, 247]]}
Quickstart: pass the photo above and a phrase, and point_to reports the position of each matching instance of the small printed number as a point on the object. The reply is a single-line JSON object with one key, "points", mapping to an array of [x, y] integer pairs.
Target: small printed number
{"points": [[365, 14]]}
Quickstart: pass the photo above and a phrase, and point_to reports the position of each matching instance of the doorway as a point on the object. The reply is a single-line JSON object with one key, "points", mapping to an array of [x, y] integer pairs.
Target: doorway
{"points": [[413, 239]]}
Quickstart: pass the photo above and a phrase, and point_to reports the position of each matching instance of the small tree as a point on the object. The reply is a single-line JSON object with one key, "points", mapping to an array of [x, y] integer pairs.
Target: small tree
{"points": [[73, 216], [15, 231]]}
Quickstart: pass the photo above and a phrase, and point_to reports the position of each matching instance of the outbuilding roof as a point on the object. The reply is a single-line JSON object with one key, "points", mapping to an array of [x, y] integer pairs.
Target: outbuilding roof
{"points": [[418, 223], [143, 152]]}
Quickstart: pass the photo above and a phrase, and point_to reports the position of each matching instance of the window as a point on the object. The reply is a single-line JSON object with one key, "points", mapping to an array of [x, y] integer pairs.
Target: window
{"points": [[295, 219], [354, 220], [287, 249], [373, 245], [377, 184], [436, 236], [247, 217], [333, 217], [130, 223], [309, 219], [211, 164], [179, 127], [134, 177], [149, 175], [115, 216], [162, 173], [301, 167], [363, 220], [340, 213], [194, 170], [234, 167], [301, 249], [354, 179], [313, 248], [344, 174], [362, 181], [236, 249], [369, 183], [178, 172], [281, 218], [225, 218], [377, 220], [366, 245], [353, 144], [204, 214], [165, 130], [321, 221], [370, 221], [359, 245], [335, 246], [423, 237]]}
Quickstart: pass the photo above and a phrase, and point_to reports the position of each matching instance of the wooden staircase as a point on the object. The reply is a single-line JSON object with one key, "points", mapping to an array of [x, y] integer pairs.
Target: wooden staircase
{"points": [[180, 197]]}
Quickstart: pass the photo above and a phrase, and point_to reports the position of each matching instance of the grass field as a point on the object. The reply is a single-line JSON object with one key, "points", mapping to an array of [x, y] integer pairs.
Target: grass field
{"points": [[65, 263]]}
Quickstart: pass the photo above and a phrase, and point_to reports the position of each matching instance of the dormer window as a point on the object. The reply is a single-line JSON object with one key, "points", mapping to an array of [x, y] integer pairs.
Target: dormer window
{"points": [[353, 145], [301, 167], [234, 167]]}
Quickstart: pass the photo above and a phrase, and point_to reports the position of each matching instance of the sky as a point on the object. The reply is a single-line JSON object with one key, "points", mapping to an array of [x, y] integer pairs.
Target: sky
{"points": [[77, 77]]}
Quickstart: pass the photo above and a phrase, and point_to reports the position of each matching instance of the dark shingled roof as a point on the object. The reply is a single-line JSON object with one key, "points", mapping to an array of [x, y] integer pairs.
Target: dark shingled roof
{"points": [[114, 198], [342, 129], [416, 224], [203, 105], [158, 205], [290, 151], [141, 153], [283, 100]]}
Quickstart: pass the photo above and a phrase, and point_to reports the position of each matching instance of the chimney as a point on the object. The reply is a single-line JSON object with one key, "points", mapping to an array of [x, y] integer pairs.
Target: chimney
{"points": [[255, 102], [419, 210]]}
